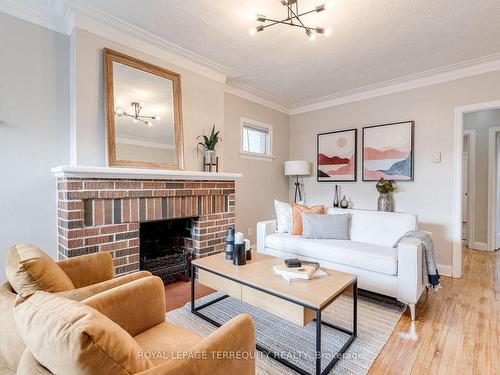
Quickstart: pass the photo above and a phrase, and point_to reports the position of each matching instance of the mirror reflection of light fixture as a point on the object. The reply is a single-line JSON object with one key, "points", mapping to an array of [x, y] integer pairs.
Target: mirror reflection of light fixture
{"points": [[137, 117]]}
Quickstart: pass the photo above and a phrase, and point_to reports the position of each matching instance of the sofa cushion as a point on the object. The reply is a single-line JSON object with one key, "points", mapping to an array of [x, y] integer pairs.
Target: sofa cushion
{"points": [[320, 226], [29, 269], [298, 209], [69, 337], [371, 257], [168, 339], [378, 227], [284, 216]]}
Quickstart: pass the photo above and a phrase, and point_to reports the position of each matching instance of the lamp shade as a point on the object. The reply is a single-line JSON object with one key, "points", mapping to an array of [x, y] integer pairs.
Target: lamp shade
{"points": [[297, 168]]}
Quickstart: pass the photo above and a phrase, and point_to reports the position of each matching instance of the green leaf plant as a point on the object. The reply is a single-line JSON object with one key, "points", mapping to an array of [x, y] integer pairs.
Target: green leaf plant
{"points": [[385, 186], [211, 141]]}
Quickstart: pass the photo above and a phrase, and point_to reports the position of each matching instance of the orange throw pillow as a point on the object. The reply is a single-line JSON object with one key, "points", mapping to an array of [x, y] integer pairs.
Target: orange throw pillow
{"points": [[297, 215]]}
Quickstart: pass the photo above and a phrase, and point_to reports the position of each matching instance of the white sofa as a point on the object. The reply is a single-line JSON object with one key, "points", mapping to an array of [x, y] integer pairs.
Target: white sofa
{"points": [[368, 254]]}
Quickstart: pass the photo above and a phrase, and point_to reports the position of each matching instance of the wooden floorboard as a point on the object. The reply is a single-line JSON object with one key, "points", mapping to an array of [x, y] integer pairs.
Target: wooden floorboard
{"points": [[458, 327], [457, 331], [179, 293]]}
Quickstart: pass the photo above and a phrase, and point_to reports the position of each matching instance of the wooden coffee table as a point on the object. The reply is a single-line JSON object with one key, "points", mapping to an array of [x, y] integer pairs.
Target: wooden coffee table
{"points": [[298, 301]]}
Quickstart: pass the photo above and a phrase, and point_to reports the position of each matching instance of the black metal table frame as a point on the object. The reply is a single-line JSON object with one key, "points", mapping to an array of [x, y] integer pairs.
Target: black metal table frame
{"points": [[352, 334]]}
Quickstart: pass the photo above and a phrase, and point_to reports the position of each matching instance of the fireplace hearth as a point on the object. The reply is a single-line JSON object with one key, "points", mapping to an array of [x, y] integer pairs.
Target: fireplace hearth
{"points": [[166, 248], [103, 209]]}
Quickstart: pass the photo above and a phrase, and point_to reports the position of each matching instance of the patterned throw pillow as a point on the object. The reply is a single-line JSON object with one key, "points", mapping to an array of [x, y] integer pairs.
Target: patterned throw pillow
{"points": [[297, 215], [284, 216]]}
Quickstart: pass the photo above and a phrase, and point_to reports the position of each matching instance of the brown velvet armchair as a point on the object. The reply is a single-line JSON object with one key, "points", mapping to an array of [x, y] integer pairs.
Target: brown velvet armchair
{"points": [[30, 269], [123, 331]]}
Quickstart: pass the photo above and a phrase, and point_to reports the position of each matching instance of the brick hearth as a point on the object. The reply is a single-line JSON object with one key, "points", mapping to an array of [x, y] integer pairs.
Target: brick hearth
{"points": [[104, 214]]}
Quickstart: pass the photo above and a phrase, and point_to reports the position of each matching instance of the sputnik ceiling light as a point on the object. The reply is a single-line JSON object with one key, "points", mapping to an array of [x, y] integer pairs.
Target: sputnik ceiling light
{"points": [[136, 116], [293, 19]]}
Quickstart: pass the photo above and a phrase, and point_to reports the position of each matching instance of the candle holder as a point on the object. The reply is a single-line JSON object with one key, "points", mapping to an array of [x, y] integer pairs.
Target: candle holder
{"points": [[229, 247], [239, 255]]}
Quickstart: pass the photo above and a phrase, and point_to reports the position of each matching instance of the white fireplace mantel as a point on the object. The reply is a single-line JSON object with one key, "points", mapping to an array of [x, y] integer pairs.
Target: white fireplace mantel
{"points": [[69, 171]]}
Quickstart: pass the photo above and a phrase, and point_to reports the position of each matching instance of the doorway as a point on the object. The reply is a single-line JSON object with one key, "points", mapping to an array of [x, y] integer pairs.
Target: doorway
{"points": [[468, 194], [487, 232], [494, 186]]}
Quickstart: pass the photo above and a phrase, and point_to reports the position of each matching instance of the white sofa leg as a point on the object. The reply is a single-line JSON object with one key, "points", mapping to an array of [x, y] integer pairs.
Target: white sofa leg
{"points": [[412, 311]]}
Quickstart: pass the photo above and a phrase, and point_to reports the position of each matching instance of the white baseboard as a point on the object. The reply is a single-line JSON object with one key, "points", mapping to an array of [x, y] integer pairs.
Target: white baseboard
{"points": [[445, 270], [479, 246]]}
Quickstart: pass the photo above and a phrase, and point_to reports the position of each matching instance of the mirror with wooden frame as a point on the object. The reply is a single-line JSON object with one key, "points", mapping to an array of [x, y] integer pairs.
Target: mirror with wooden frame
{"points": [[143, 108]]}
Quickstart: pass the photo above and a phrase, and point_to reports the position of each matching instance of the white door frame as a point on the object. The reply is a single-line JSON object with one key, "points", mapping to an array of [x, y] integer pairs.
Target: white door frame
{"points": [[457, 178], [492, 186], [471, 199]]}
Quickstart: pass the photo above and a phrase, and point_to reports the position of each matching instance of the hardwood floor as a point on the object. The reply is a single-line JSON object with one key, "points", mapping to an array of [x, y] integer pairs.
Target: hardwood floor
{"points": [[179, 293], [457, 330]]}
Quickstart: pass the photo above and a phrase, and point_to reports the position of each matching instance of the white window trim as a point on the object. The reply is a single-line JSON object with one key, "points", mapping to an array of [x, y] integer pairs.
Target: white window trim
{"points": [[269, 147]]}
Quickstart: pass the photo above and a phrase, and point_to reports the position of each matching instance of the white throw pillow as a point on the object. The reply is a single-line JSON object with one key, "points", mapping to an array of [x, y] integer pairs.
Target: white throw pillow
{"points": [[284, 216]]}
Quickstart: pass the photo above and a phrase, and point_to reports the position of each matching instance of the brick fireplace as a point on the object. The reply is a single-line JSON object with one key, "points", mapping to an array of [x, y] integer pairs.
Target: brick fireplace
{"points": [[100, 209]]}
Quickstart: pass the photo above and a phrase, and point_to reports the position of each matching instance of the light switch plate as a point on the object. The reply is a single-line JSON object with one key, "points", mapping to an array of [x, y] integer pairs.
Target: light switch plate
{"points": [[436, 158]]}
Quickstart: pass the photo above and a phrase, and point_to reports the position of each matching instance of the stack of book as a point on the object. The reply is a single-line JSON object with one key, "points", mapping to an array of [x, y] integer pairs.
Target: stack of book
{"points": [[305, 272]]}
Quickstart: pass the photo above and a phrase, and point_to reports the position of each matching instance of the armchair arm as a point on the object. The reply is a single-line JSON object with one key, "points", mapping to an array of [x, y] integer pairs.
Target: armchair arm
{"points": [[264, 228], [410, 270], [88, 269], [88, 291], [229, 350], [136, 306]]}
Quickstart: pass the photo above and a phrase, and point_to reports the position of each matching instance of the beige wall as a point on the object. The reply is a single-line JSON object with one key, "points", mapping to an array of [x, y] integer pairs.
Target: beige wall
{"points": [[263, 180], [34, 132], [481, 121], [203, 104], [202, 101], [432, 109]]}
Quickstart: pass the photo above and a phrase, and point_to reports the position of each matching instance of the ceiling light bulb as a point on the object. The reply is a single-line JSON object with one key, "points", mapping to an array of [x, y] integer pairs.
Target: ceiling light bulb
{"points": [[252, 31], [149, 124], [119, 112], [157, 118], [135, 120], [328, 31], [329, 5]]}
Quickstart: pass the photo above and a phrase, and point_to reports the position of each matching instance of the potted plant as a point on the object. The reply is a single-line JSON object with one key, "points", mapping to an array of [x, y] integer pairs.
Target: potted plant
{"points": [[385, 201], [209, 144]]}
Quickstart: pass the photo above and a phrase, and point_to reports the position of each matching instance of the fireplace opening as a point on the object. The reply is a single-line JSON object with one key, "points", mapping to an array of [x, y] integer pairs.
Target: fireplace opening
{"points": [[166, 248]]}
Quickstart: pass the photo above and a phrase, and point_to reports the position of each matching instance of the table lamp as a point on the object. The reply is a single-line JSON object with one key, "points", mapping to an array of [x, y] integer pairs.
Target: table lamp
{"points": [[297, 168]]}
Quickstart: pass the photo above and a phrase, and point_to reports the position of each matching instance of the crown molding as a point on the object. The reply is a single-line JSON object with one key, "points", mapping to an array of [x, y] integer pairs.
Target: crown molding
{"points": [[247, 93], [50, 14], [63, 16], [109, 27], [428, 78]]}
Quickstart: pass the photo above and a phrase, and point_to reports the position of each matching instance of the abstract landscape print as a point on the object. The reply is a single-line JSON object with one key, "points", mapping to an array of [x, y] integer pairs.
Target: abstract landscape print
{"points": [[336, 156], [388, 152]]}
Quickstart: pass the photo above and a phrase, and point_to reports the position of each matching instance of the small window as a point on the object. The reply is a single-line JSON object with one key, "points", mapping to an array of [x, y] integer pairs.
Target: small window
{"points": [[256, 138]]}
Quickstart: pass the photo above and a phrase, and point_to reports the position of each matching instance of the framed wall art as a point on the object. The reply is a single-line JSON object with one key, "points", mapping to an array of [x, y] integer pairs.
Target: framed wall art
{"points": [[388, 151], [336, 156]]}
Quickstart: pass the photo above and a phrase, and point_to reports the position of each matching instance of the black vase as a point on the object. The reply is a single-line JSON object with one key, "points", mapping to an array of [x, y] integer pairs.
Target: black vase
{"points": [[239, 255], [229, 248]]}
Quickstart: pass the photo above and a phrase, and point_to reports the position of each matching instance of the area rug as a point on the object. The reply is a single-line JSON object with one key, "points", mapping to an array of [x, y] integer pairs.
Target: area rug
{"points": [[377, 317]]}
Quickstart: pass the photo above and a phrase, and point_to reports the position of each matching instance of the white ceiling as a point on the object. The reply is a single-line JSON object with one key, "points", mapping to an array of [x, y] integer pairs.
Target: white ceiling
{"points": [[373, 41]]}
